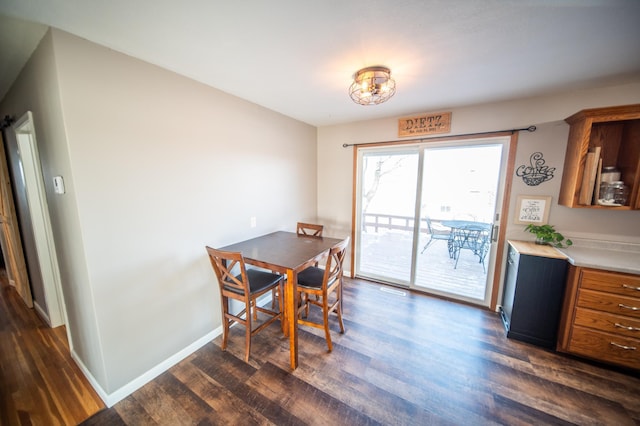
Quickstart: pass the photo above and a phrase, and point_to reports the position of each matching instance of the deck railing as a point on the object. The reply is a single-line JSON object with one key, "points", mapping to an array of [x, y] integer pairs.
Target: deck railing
{"points": [[387, 221]]}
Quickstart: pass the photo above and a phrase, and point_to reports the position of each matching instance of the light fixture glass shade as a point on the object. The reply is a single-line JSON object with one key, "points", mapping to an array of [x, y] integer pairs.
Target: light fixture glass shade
{"points": [[372, 86]]}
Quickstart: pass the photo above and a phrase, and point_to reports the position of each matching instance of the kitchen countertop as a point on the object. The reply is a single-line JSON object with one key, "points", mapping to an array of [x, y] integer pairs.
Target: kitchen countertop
{"points": [[610, 256], [533, 249], [606, 255]]}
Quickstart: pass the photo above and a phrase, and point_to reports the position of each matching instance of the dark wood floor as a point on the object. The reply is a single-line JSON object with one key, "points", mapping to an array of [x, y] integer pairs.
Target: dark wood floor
{"points": [[404, 360], [39, 382], [409, 360]]}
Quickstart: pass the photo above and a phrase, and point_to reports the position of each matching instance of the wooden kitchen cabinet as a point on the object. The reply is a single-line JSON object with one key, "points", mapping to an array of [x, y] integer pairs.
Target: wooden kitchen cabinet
{"points": [[533, 291], [601, 316], [616, 130]]}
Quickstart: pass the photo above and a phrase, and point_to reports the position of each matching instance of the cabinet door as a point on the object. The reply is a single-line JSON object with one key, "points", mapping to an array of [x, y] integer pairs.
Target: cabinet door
{"points": [[538, 300]]}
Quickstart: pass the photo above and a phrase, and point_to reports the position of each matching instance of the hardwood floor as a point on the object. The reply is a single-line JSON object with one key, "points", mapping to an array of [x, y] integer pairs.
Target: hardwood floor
{"points": [[404, 360], [39, 382]]}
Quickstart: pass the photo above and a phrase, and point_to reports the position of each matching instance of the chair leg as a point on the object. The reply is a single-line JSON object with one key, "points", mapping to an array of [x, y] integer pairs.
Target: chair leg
{"points": [[254, 310], [339, 310], [304, 301], [325, 315], [247, 336], [225, 323], [281, 307], [426, 246]]}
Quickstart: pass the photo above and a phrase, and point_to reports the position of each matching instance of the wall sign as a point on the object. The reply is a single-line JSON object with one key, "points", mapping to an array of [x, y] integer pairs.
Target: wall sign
{"points": [[428, 124], [532, 209], [536, 172]]}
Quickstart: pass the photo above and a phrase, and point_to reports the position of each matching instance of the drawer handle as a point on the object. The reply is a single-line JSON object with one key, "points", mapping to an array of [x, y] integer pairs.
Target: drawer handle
{"points": [[626, 348], [633, 308], [631, 287], [626, 327]]}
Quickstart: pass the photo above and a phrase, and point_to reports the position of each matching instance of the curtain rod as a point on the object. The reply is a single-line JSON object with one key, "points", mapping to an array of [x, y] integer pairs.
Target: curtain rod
{"points": [[512, 131]]}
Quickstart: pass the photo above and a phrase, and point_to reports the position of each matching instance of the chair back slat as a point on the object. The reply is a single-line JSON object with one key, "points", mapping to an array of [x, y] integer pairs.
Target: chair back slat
{"points": [[335, 261], [309, 229], [224, 262]]}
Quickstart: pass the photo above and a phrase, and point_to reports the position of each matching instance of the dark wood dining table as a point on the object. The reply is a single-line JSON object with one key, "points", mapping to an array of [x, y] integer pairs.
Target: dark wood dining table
{"points": [[286, 253]]}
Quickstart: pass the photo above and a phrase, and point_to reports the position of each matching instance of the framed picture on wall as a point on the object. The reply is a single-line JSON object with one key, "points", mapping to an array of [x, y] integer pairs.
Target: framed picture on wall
{"points": [[532, 209]]}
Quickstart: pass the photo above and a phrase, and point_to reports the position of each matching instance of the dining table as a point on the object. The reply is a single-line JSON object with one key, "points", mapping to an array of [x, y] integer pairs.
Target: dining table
{"points": [[466, 224], [286, 253]]}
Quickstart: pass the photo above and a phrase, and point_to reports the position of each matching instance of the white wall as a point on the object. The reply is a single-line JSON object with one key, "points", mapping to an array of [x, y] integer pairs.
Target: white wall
{"points": [[335, 163], [156, 166]]}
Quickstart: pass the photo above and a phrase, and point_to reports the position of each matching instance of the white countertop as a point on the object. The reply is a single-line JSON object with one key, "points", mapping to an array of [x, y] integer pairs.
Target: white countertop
{"points": [[611, 256]]}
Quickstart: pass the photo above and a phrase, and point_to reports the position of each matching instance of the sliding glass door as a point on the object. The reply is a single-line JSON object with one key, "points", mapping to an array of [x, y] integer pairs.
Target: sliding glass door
{"points": [[388, 189], [427, 216]]}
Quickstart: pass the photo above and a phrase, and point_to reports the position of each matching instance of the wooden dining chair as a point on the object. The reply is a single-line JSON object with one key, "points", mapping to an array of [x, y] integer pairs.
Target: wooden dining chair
{"points": [[309, 229], [325, 284], [244, 285]]}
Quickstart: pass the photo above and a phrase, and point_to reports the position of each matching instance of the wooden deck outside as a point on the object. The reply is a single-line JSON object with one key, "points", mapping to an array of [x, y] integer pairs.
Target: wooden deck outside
{"points": [[387, 253]]}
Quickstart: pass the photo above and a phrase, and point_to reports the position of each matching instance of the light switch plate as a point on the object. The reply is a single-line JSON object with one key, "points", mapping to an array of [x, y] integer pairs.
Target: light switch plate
{"points": [[58, 185]]}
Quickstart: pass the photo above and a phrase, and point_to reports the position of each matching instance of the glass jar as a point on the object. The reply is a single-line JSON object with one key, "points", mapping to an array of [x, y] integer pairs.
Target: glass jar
{"points": [[606, 193], [620, 192], [610, 174]]}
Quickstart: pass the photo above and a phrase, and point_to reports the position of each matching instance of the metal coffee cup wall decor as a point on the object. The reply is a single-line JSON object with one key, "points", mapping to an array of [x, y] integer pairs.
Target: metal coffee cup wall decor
{"points": [[536, 172]]}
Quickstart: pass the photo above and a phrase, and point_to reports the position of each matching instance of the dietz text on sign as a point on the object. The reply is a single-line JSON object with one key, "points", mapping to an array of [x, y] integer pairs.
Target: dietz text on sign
{"points": [[424, 124]]}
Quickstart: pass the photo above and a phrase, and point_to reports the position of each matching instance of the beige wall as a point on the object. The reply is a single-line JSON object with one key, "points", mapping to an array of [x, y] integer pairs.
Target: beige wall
{"points": [[156, 166]]}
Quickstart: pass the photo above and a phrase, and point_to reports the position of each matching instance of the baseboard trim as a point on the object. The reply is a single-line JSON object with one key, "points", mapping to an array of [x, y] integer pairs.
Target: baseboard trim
{"points": [[126, 390], [42, 313]]}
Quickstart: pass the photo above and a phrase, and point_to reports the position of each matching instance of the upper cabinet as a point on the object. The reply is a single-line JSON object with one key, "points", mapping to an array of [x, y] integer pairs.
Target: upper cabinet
{"points": [[601, 137]]}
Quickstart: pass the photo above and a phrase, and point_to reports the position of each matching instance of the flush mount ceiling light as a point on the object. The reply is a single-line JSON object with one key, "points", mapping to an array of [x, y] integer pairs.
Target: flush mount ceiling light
{"points": [[372, 86]]}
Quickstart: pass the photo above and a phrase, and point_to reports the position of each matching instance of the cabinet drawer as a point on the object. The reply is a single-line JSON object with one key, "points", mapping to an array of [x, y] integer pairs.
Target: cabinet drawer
{"points": [[612, 282], [620, 325], [612, 303], [605, 347]]}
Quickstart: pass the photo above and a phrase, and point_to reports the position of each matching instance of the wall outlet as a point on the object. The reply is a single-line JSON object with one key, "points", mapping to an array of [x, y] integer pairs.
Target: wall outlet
{"points": [[254, 221]]}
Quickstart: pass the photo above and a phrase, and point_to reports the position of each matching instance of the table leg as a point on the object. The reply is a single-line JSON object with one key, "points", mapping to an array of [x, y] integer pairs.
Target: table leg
{"points": [[290, 307]]}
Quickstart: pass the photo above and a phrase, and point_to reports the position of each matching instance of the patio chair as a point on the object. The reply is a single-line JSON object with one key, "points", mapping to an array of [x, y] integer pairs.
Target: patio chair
{"points": [[438, 232]]}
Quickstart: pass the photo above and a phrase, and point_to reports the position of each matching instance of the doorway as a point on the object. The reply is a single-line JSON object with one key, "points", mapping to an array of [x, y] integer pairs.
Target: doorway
{"points": [[428, 216], [33, 211]]}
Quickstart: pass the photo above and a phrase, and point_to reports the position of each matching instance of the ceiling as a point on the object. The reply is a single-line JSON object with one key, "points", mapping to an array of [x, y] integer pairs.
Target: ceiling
{"points": [[298, 57]]}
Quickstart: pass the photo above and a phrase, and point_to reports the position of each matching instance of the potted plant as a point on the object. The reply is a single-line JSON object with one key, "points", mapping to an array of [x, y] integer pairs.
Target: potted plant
{"points": [[546, 234]]}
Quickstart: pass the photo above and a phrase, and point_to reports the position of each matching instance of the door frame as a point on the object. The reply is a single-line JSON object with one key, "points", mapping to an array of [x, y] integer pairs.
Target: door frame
{"points": [[44, 258], [503, 210]]}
